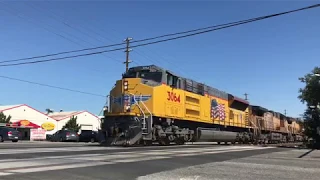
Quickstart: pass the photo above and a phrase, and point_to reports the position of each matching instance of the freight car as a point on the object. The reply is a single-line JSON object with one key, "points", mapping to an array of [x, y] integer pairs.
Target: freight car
{"points": [[151, 104]]}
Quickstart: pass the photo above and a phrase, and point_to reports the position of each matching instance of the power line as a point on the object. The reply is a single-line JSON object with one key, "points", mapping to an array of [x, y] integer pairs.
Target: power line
{"points": [[61, 58], [11, 10], [224, 26], [164, 40], [66, 23], [58, 34], [152, 38], [56, 87]]}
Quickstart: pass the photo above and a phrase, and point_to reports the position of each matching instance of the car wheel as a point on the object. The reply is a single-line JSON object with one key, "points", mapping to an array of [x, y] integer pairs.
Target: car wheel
{"points": [[1, 139], [92, 140], [14, 140]]}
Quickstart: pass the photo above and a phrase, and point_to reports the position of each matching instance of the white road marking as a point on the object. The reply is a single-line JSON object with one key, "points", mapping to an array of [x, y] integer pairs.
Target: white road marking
{"points": [[40, 164], [108, 157], [140, 159], [270, 166], [38, 150], [209, 149], [58, 167], [157, 153], [51, 157], [214, 152], [5, 174]]}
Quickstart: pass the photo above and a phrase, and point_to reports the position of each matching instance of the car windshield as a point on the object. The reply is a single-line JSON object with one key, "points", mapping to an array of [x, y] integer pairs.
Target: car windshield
{"points": [[11, 129]]}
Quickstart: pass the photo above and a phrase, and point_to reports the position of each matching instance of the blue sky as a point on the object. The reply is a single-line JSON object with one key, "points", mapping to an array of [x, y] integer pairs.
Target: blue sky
{"points": [[263, 59]]}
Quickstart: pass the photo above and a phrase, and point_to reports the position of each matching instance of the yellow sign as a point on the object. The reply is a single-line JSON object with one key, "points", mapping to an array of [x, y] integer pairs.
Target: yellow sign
{"points": [[49, 126], [24, 122]]}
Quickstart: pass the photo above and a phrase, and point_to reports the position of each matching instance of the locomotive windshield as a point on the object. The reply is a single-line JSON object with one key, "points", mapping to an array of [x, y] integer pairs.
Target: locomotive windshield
{"points": [[155, 76], [130, 74], [144, 74]]}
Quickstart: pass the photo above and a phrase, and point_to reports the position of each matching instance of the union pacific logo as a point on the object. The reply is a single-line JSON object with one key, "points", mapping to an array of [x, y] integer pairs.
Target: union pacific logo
{"points": [[131, 99], [142, 98]]}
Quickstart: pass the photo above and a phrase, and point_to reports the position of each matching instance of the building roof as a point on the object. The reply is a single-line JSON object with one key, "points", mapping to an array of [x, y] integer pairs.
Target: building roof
{"points": [[7, 107], [55, 115], [67, 114], [63, 115]]}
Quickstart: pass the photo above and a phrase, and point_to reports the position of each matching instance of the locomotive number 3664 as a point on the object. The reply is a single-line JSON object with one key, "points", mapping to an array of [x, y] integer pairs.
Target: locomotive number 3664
{"points": [[173, 97]]}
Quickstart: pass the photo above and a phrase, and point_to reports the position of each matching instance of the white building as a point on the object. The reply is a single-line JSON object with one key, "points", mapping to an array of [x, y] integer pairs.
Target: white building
{"points": [[85, 119], [25, 118]]}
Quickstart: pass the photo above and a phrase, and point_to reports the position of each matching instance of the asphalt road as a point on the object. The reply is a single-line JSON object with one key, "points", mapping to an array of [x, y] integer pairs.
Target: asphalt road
{"points": [[24, 150], [283, 165], [82, 161]]}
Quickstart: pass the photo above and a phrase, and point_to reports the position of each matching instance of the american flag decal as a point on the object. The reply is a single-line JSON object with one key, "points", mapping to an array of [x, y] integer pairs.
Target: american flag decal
{"points": [[217, 110]]}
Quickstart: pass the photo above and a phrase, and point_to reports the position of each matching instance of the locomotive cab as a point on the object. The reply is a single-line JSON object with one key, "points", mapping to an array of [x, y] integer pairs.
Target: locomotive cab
{"points": [[153, 76]]}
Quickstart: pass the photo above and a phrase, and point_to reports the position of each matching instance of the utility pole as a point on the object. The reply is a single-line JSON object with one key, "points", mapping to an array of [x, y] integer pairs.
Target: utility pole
{"points": [[285, 112], [127, 40], [246, 96]]}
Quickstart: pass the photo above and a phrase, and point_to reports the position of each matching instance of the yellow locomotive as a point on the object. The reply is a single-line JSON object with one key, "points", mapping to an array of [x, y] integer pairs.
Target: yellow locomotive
{"points": [[151, 104]]}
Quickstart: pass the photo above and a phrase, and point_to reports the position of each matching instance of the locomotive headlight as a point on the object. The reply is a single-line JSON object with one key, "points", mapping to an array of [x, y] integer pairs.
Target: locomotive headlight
{"points": [[125, 85], [127, 108]]}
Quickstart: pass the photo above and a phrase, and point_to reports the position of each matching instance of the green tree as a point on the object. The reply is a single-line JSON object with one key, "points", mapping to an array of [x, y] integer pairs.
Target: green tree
{"points": [[4, 118], [310, 95], [72, 124]]}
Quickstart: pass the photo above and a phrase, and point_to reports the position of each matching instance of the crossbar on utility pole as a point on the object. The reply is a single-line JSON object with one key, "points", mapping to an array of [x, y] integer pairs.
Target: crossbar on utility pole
{"points": [[127, 62], [246, 96]]}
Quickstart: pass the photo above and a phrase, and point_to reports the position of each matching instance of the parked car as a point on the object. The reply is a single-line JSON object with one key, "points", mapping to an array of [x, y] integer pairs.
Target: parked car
{"points": [[9, 134], [88, 136], [65, 135], [49, 137]]}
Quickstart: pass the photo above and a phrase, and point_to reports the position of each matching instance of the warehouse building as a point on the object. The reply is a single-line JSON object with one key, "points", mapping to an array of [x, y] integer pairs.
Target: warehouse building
{"points": [[85, 119], [24, 118]]}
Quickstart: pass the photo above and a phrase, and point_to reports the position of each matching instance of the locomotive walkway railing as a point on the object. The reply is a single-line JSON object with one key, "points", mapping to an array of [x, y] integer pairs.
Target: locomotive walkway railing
{"points": [[144, 124]]}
